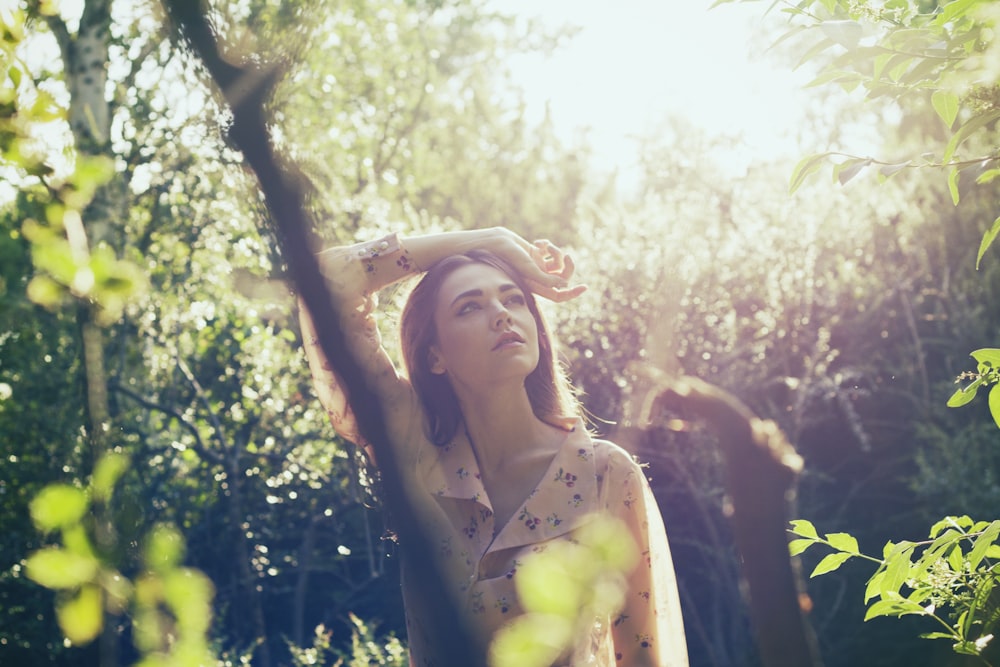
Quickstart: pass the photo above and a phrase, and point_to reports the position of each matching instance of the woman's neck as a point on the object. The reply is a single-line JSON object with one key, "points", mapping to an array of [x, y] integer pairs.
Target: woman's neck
{"points": [[503, 428]]}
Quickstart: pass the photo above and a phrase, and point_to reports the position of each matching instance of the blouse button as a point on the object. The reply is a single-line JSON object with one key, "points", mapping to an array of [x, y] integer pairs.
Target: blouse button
{"points": [[383, 245]]}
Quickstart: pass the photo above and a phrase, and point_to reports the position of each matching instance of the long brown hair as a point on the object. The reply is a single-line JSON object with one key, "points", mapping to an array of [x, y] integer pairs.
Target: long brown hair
{"points": [[549, 392]]}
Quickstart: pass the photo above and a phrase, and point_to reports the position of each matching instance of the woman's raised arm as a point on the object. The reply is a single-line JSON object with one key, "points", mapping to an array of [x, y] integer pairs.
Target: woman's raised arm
{"points": [[355, 273]]}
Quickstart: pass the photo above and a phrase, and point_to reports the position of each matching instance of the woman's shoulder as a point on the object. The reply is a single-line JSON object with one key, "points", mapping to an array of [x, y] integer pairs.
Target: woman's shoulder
{"points": [[610, 455]]}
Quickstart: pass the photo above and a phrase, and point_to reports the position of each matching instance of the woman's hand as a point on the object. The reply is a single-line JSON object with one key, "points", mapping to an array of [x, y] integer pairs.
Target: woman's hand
{"points": [[554, 262], [544, 265]]}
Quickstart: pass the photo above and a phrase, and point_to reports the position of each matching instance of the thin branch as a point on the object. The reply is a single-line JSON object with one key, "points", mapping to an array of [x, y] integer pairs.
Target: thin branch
{"points": [[220, 431], [199, 445]]}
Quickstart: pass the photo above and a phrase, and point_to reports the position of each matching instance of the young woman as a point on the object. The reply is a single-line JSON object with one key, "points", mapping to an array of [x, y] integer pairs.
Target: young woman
{"points": [[486, 424]]}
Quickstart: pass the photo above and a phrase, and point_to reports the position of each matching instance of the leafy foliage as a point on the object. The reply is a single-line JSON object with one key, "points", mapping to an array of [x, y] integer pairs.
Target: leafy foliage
{"points": [[948, 578], [941, 56], [987, 373]]}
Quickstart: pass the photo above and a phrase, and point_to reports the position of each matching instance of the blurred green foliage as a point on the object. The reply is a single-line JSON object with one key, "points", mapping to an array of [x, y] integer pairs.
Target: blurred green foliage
{"points": [[563, 588]]}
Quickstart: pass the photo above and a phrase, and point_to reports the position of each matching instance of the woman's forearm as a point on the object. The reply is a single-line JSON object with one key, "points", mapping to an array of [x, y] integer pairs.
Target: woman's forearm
{"points": [[390, 259], [428, 249]]}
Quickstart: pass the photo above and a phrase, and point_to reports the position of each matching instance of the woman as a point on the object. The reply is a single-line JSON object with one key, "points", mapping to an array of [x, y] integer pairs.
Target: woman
{"points": [[487, 426]]}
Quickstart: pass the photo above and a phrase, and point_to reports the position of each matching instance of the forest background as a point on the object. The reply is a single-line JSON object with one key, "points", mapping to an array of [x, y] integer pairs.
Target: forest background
{"points": [[156, 322]]}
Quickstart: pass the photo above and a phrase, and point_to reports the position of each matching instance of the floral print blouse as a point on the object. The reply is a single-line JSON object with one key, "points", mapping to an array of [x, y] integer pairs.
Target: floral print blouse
{"points": [[587, 476]]}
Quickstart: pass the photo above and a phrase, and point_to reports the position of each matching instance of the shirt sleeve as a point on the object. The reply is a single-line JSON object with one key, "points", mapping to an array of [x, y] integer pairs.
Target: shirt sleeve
{"points": [[649, 630], [353, 274]]}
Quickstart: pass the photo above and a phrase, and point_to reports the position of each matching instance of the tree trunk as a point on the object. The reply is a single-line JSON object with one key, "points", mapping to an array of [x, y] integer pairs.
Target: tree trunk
{"points": [[85, 61], [761, 470]]}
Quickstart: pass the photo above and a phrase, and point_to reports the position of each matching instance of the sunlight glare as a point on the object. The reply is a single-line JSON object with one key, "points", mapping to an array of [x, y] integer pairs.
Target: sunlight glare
{"points": [[636, 62]]}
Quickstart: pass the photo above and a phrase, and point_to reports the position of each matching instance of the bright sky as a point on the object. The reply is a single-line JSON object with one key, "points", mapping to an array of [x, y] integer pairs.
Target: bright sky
{"points": [[636, 61]]}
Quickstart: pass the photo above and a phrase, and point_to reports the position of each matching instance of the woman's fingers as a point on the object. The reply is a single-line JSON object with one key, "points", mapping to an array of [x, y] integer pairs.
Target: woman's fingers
{"points": [[543, 264], [549, 257], [555, 288]]}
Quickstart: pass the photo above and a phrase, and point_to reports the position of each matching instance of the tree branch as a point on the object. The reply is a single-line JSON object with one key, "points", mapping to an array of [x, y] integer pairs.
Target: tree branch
{"points": [[246, 89], [199, 445]]}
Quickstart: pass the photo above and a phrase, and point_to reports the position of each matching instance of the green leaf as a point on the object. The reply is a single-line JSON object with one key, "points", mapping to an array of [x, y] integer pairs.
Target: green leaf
{"points": [[874, 585], [938, 635], [963, 522], [845, 33], [944, 523], [985, 539], [806, 167], [804, 528], [834, 75], [988, 356], [964, 395], [830, 563], [843, 542], [987, 176], [988, 237], [45, 292], [933, 553], [953, 185], [57, 568], [795, 547], [900, 67], [982, 594], [106, 474], [848, 169], [994, 402], [787, 35], [57, 506], [897, 570], [956, 558], [953, 10], [889, 170], [189, 593], [946, 105], [164, 548], [82, 616], [814, 51], [966, 130], [896, 606], [965, 648], [531, 639]]}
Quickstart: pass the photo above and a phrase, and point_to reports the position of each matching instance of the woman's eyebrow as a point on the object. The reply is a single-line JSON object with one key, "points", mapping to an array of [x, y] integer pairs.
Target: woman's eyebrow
{"points": [[467, 293], [506, 287]]}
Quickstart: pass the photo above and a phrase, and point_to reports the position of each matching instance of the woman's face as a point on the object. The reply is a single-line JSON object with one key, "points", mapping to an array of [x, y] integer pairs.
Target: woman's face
{"points": [[486, 333]]}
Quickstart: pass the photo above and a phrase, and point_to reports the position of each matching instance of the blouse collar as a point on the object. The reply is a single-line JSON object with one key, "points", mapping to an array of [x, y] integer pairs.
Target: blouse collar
{"points": [[561, 502]]}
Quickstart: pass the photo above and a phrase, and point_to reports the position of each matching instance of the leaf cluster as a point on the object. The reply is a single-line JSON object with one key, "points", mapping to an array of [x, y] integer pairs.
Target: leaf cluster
{"points": [[949, 578], [170, 605], [939, 58], [987, 373]]}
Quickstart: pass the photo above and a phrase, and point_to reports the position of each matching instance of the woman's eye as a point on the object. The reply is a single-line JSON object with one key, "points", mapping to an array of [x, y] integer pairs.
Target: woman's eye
{"points": [[516, 299], [468, 307]]}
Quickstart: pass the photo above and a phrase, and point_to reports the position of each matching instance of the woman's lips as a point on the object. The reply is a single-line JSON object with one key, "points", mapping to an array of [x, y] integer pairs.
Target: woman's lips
{"points": [[508, 339]]}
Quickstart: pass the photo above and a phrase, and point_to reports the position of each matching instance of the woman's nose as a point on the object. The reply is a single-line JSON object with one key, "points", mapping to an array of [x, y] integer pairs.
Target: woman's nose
{"points": [[502, 317]]}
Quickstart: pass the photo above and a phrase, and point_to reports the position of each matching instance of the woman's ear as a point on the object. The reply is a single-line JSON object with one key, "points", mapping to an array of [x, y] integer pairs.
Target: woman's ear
{"points": [[435, 362]]}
